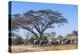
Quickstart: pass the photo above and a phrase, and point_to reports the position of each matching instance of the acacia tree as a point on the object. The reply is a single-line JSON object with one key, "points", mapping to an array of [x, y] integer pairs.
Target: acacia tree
{"points": [[40, 21], [75, 32]]}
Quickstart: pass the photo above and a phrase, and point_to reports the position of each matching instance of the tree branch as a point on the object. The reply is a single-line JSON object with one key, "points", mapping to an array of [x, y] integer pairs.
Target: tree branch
{"points": [[29, 30]]}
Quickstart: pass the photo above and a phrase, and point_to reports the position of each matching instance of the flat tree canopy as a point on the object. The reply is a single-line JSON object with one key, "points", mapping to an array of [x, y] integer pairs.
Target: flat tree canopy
{"points": [[40, 21]]}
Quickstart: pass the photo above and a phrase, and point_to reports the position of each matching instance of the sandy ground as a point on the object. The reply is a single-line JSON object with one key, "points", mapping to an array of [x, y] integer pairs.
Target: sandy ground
{"points": [[30, 48]]}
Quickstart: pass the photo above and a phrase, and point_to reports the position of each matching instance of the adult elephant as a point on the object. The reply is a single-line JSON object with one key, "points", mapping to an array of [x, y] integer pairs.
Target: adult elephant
{"points": [[36, 43], [39, 43], [43, 42], [66, 41]]}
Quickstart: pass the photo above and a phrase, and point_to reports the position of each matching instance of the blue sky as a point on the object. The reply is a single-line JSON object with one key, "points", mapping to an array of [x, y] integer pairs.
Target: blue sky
{"points": [[68, 11]]}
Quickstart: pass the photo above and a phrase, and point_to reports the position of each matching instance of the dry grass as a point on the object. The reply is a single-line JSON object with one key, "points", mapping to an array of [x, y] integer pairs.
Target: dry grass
{"points": [[29, 48]]}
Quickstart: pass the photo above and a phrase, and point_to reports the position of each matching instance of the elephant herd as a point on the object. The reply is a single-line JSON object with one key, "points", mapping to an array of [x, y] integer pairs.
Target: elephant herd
{"points": [[38, 43]]}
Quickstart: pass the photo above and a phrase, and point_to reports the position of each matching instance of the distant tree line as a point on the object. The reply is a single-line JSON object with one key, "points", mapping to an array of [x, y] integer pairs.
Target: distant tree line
{"points": [[18, 40]]}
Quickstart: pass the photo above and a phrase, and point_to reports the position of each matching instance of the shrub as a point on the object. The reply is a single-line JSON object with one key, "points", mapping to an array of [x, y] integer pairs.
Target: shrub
{"points": [[17, 40]]}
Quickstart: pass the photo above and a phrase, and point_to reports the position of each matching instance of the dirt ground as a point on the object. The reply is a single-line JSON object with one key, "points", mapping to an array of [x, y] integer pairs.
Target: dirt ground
{"points": [[30, 48]]}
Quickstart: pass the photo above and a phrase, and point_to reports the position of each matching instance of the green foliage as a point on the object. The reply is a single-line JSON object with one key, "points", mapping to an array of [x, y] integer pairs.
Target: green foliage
{"points": [[45, 37], [14, 41], [17, 40], [33, 38], [75, 33], [26, 42], [54, 39]]}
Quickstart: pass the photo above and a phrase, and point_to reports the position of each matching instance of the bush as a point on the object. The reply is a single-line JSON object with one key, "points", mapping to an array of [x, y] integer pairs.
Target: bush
{"points": [[27, 41], [17, 41]]}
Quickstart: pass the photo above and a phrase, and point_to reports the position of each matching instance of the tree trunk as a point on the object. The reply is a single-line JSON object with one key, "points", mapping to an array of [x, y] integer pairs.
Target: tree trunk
{"points": [[41, 36]]}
